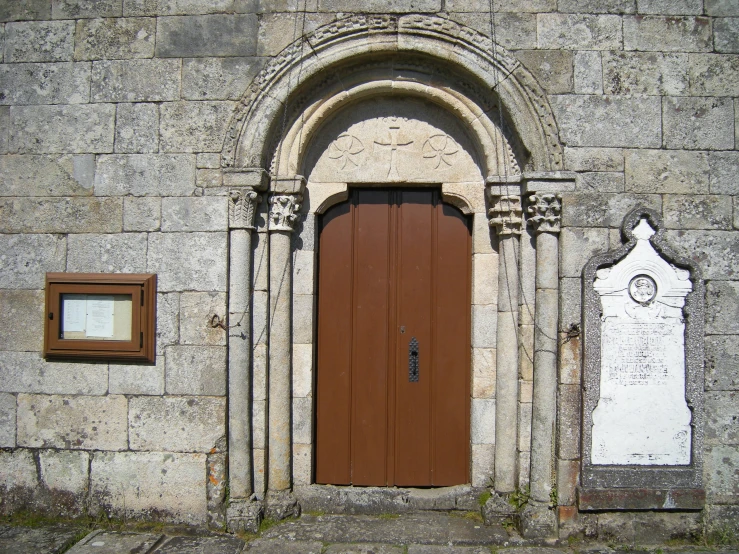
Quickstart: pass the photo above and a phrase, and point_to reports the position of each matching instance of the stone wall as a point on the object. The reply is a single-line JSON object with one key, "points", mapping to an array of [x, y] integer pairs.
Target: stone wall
{"points": [[112, 119]]}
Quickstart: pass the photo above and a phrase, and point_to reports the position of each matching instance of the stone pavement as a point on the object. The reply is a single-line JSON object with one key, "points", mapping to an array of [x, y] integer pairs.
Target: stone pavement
{"points": [[425, 533]]}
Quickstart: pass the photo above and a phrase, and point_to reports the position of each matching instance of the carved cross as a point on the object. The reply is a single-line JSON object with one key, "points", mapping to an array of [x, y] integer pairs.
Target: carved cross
{"points": [[394, 145]]}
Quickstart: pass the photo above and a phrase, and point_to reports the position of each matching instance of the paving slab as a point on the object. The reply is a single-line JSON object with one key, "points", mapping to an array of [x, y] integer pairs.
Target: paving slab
{"points": [[201, 545], [26, 540], [365, 549], [428, 528], [261, 546], [436, 549], [103, 542]]}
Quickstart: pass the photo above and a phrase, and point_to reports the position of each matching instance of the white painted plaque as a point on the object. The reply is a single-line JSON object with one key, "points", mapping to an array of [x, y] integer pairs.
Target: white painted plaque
{"points": [[100, 312], [642, 417]]}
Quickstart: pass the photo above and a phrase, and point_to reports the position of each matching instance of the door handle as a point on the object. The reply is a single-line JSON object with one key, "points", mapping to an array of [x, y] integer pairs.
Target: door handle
{"points": [[413, 361]]}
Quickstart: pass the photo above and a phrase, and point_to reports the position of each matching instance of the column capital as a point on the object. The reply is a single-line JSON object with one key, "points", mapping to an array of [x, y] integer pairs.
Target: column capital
{"points": [[505, 215], [242, 207], [544, 211], [283, 211]]}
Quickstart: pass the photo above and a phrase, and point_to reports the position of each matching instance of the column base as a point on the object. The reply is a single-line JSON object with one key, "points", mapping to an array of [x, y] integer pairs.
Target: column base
{"points": [[281, 505], [538, 521], [244, 515], [498, 507]]}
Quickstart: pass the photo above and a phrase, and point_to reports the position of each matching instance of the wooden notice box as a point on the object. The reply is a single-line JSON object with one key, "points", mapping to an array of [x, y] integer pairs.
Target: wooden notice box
{"points": [[100, 316]]}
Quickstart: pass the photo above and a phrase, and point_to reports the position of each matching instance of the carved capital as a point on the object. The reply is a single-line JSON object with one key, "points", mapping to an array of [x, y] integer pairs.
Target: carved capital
{"points": [[283, 212], [544, 212], [505, 214], [242, 207]]}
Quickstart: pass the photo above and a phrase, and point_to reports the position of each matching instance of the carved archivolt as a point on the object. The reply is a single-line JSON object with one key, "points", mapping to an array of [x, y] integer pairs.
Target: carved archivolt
{"points": [[314, 58]]}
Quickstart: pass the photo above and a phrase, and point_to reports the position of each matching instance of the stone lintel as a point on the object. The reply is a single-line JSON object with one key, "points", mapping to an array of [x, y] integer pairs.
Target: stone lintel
{"points": [[548, 181], [254, 177], [640, 499], [282, 184], [496, 189], [492, 180]]}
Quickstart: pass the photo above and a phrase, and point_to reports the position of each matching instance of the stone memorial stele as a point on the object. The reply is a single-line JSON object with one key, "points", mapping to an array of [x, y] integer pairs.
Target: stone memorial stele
{"points": [[642, 403]]}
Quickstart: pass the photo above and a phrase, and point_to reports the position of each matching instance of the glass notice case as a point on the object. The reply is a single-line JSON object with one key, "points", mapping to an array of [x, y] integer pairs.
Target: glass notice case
{"points": [[100, 316]]}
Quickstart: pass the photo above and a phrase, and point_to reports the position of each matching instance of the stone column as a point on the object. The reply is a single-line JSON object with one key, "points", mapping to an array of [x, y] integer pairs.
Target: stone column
{"points": [[505, 216], [283, 215], [544, 215]]}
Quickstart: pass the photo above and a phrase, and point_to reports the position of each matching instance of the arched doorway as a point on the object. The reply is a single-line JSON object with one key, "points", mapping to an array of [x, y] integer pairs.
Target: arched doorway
{"points": [[392, 404]]}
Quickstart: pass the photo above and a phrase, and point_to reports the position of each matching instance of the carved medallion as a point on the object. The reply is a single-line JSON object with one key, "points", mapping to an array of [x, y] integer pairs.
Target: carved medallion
{"points": [[441, 149]]}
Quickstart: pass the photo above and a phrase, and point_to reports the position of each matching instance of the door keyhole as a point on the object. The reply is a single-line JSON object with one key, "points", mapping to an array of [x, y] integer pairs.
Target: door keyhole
{"points": [[413, 361]]}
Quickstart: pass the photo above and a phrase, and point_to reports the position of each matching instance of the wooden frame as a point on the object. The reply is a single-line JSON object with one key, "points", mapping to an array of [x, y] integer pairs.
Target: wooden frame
{"points": [[134, 343]]}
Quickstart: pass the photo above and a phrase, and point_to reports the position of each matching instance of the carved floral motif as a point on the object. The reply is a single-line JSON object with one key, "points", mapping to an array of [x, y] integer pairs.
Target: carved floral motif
{"points": [[544, 211], [441, 149], [505, 215], [283, 212], [347, 149], [242, 207]]}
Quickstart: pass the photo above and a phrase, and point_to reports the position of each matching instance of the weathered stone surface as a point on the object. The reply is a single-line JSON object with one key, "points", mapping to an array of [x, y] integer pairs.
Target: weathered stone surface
{"points": [[200, 266], [176, 424], [569, 306], [133, 378], [568, 477], [76, 9], [198, 370], [671, 172], [484, 325], [30, 9], [587, 120], [721, 518], [665, 34], [176, 7], [123, 253], [116, 38], [45, 83], [217, 78], [715, 252], [524, 427], [579, 32], [42, 41], [86, 128], [303, 271], [514, 30], [200, 313], [28, 372], [722, 414], [145, 175], [552, 68], [302, 370], [721, 8], [374, 549], [671, 7], [21, 320], [206, 213], [34, 175], [72, 422], [697, 212], [210, 160], [261, 546], [577, 246], [603, 181], [722, 307], [726, 34], [59, 215], [24, 259], [155, 485], [698, 123], [137, 128], [141, 214], [501, 5], [723, 172], [7, 420], [18, 474], [482, 428], [194, 126], [483, 461], [104, 542], [209, 178], [594, 159], [65, 471], [483, 373], [207, 35], [378, 6], [722, 474], [568, 422], [651, 73], [136, 80], [722, 362], [277, 30], [602, 6], [714, 75], [4, 126], [168, 320], [302, 412], [588, 73], [303, 318]]}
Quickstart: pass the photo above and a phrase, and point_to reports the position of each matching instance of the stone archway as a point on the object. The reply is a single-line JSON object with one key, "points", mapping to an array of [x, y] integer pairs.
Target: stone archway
{"points": [[492, 116]]}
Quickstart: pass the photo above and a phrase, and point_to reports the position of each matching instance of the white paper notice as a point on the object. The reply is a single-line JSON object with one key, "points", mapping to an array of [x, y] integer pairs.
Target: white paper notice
{"points": [[100, 316], [74, 308]]}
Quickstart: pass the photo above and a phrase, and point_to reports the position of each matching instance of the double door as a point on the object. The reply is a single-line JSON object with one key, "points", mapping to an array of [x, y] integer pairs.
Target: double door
{"points": [[393, 362]]}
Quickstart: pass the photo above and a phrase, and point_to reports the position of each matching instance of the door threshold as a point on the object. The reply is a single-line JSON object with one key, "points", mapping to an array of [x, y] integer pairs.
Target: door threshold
{"points": [[335, 499]]}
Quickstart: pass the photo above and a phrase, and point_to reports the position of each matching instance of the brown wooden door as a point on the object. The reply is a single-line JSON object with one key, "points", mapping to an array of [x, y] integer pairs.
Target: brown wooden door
{"points": [[394, 266]]}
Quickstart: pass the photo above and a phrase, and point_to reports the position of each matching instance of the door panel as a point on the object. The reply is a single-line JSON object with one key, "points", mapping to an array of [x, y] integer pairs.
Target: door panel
{"points": [[394, 265]]}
